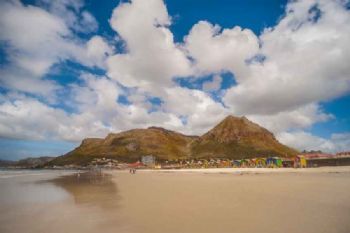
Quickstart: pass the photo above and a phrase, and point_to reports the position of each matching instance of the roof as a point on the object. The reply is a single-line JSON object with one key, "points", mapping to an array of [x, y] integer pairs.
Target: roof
{"points": [[137, 164], [318, 156]]}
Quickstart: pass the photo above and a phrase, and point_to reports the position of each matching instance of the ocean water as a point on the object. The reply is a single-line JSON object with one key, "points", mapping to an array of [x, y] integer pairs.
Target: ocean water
{"points": [[11, 173]]}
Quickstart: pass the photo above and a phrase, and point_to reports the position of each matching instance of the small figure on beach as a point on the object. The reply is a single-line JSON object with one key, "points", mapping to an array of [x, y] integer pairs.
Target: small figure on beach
{"points": [[132, 170]]}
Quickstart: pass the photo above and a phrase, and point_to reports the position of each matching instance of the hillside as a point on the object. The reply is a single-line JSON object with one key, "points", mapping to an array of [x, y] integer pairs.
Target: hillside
{"points": [[6, 163], [238, 138], [232, 138], [31, 162], [130, 145]]}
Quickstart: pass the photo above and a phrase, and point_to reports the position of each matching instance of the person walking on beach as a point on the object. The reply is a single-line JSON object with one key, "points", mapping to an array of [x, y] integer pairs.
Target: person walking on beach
{"points": [[132, 170]]}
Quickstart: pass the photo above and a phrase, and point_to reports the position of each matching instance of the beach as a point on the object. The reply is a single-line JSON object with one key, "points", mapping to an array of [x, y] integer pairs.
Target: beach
{"points": [[197, 200]]}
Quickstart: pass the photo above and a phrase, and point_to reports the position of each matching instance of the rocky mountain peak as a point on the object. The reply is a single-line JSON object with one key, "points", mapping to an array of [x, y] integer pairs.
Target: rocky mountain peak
{"points": [[236, 128]]}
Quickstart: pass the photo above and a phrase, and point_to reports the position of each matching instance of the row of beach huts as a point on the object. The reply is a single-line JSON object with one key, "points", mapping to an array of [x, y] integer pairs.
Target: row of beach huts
{"points": [[299, 161]]}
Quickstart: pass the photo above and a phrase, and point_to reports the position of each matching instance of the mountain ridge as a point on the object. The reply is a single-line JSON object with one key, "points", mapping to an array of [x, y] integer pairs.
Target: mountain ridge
{"points": [[234, 138], [29, 162]]}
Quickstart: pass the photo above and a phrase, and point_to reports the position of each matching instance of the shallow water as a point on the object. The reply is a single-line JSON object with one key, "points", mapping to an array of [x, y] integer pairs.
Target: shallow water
{"points": [[62, 201]]}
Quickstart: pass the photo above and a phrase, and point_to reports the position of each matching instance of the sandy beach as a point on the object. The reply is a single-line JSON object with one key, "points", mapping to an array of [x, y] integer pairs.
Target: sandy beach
{"points": [[210, 200]]}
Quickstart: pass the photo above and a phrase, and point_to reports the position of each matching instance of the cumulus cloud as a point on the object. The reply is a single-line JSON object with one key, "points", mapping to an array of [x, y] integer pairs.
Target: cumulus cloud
{"points": [[95, 115], [215, 50], [150, 63], [29, 119], [199, 109], [35, 39], [98, 50], [73, 13], [18, 79], [300, 118], [306, 141], [306, 60], [30, 32], [152, 59]]}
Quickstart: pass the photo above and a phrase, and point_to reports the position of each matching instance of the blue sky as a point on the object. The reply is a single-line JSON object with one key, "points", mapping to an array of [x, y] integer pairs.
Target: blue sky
{"points": [[76, 69]]}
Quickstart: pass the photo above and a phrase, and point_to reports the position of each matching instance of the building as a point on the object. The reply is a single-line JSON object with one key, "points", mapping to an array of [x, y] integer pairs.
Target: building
{"points": [[321, 159], [148, 160]]}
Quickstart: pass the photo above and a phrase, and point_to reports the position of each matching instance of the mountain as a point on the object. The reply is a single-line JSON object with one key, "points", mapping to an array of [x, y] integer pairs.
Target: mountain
{"points": [[233, 137], [6, 163], [236, 137], [130, 145], [27, 162], [33, 162]]}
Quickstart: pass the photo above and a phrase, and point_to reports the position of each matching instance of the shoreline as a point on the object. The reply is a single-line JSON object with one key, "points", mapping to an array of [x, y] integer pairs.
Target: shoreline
{"points": [[255, 170], [339, 169]]}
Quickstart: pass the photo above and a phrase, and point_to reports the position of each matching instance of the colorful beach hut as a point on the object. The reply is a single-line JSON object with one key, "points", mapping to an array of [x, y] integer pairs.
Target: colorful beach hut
{"points": [[300, 161], [287, 162], [278, 162], [236, 163], [260, 162], [274, 162], [269, 162], [244, 163], [251, 162]]}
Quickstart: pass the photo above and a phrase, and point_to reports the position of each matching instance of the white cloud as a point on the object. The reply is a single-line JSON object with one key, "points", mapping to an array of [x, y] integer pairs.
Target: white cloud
{"points": [[98, 50], [201, 111], [214, 50], [18, 79], [306, 141], [96, 112], [152, 59], [98, 96], [35, 39], [300, 118], [306, 61], [30, 45], [28, 118], [72, 12]]}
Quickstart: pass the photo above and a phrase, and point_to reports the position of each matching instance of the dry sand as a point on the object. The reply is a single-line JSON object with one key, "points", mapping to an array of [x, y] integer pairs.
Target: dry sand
{"points": [[219, 200]]}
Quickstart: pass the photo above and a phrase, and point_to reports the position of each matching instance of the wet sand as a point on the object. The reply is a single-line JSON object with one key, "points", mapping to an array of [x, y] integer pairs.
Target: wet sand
{"points": [[181, 201]]}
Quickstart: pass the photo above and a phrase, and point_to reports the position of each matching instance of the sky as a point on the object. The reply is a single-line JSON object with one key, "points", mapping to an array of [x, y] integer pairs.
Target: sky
{"points": [[73, 69]]}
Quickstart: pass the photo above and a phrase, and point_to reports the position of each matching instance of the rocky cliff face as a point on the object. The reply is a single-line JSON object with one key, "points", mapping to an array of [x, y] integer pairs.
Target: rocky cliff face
{"points": [[232, 138]]}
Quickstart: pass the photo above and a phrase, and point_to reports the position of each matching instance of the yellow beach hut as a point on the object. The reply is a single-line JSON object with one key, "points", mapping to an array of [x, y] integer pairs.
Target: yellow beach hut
{"points": [[300, 161], [260, 162]]}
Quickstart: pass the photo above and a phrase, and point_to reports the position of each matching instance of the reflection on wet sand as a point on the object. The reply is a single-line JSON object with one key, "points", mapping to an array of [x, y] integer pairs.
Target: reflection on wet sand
{"points": [[85, 203], [90, 188]]}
